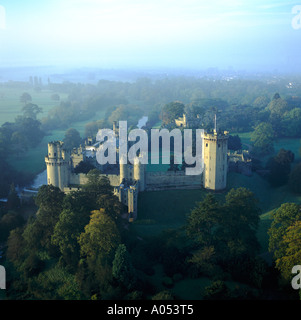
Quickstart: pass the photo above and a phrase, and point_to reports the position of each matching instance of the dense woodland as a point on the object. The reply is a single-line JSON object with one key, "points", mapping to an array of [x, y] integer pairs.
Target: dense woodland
{"points": [[78, 246]]}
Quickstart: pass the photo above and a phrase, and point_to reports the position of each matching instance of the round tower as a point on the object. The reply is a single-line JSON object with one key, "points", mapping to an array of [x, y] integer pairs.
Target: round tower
{"points": [[58, 165], [123, 172], [139, 173]]}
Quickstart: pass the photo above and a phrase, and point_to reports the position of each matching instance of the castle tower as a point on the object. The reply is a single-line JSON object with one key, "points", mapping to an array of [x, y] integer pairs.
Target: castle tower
{"points": [[215, 148], [139, 174], [123, 172], [58, 165], [132, 202]]}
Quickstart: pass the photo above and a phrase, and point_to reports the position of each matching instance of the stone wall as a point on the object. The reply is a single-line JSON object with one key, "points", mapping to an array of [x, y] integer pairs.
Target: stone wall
{"points": [[172, 180], [81, 178]]}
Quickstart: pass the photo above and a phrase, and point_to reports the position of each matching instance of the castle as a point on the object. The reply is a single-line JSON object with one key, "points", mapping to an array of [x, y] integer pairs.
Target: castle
{"points": [[130, 179]]}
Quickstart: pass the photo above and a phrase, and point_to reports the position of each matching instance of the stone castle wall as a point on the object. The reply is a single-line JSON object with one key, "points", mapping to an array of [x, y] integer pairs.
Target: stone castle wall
{"points": [[81, 178], [172, 180]]}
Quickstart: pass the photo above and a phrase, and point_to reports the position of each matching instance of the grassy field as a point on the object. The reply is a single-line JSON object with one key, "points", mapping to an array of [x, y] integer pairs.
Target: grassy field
{"points": [[10, 105]]}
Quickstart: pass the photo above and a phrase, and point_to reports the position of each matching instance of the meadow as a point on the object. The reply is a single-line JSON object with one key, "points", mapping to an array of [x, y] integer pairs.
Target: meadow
{"points": [[11, 106]]}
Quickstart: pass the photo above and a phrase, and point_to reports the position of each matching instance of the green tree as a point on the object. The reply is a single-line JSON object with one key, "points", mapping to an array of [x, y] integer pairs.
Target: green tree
{"points": [[25, 97], [100, 239], [291, 123], [283, 218], [277, 106], [292, 255], [262, 138], [234, 143], [72, 139], [15, 246], [240, 222], [217, 291], [74, 217], [294, 181], [172, 111], [203, 220], [9, 222], [38, 231], [49, 199], [122, 269], [163, 295], [13, 200], [31, 111], [280, 168]]}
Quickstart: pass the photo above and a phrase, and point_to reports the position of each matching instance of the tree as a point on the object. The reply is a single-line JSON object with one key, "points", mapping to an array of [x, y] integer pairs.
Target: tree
{"points": [[292, 255], [283, 218], [15, 246], [234, 143], [25, 97], [203, 220], [291, 123], [261, 102], [49, 199], [280, 167], [172, 111], [31, 110], [100, 239], [13, 200], [38, 231], [239, 223], [277, 106], [217, 291], [65, 235], [294, 181], [262, 138], [163, 295], [122, 268], [72, 139], [97, 185], [9, 222], [75, 215]]}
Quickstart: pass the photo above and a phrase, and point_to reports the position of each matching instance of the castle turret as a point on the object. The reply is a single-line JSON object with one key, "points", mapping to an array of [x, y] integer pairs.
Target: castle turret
{"points": [[58, 165], [123, 172], [215, 148], [132, 202], [139, 173]]}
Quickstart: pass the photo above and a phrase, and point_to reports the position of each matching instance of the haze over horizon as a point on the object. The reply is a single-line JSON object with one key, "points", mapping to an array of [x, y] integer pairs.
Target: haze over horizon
{"points": [[159, 33]]}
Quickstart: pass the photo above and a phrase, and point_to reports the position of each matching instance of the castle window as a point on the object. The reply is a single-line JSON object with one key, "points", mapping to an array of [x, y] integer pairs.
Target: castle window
{"points": [[206, 144], [55, 154], [219, 145]]}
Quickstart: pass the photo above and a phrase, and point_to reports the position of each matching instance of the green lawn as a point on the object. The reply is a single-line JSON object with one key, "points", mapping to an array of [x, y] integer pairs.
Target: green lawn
{"points": [[10, 105]]}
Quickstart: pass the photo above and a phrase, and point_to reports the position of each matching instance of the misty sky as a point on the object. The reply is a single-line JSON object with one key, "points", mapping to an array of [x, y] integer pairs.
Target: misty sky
{"points": [[150, 33]]}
